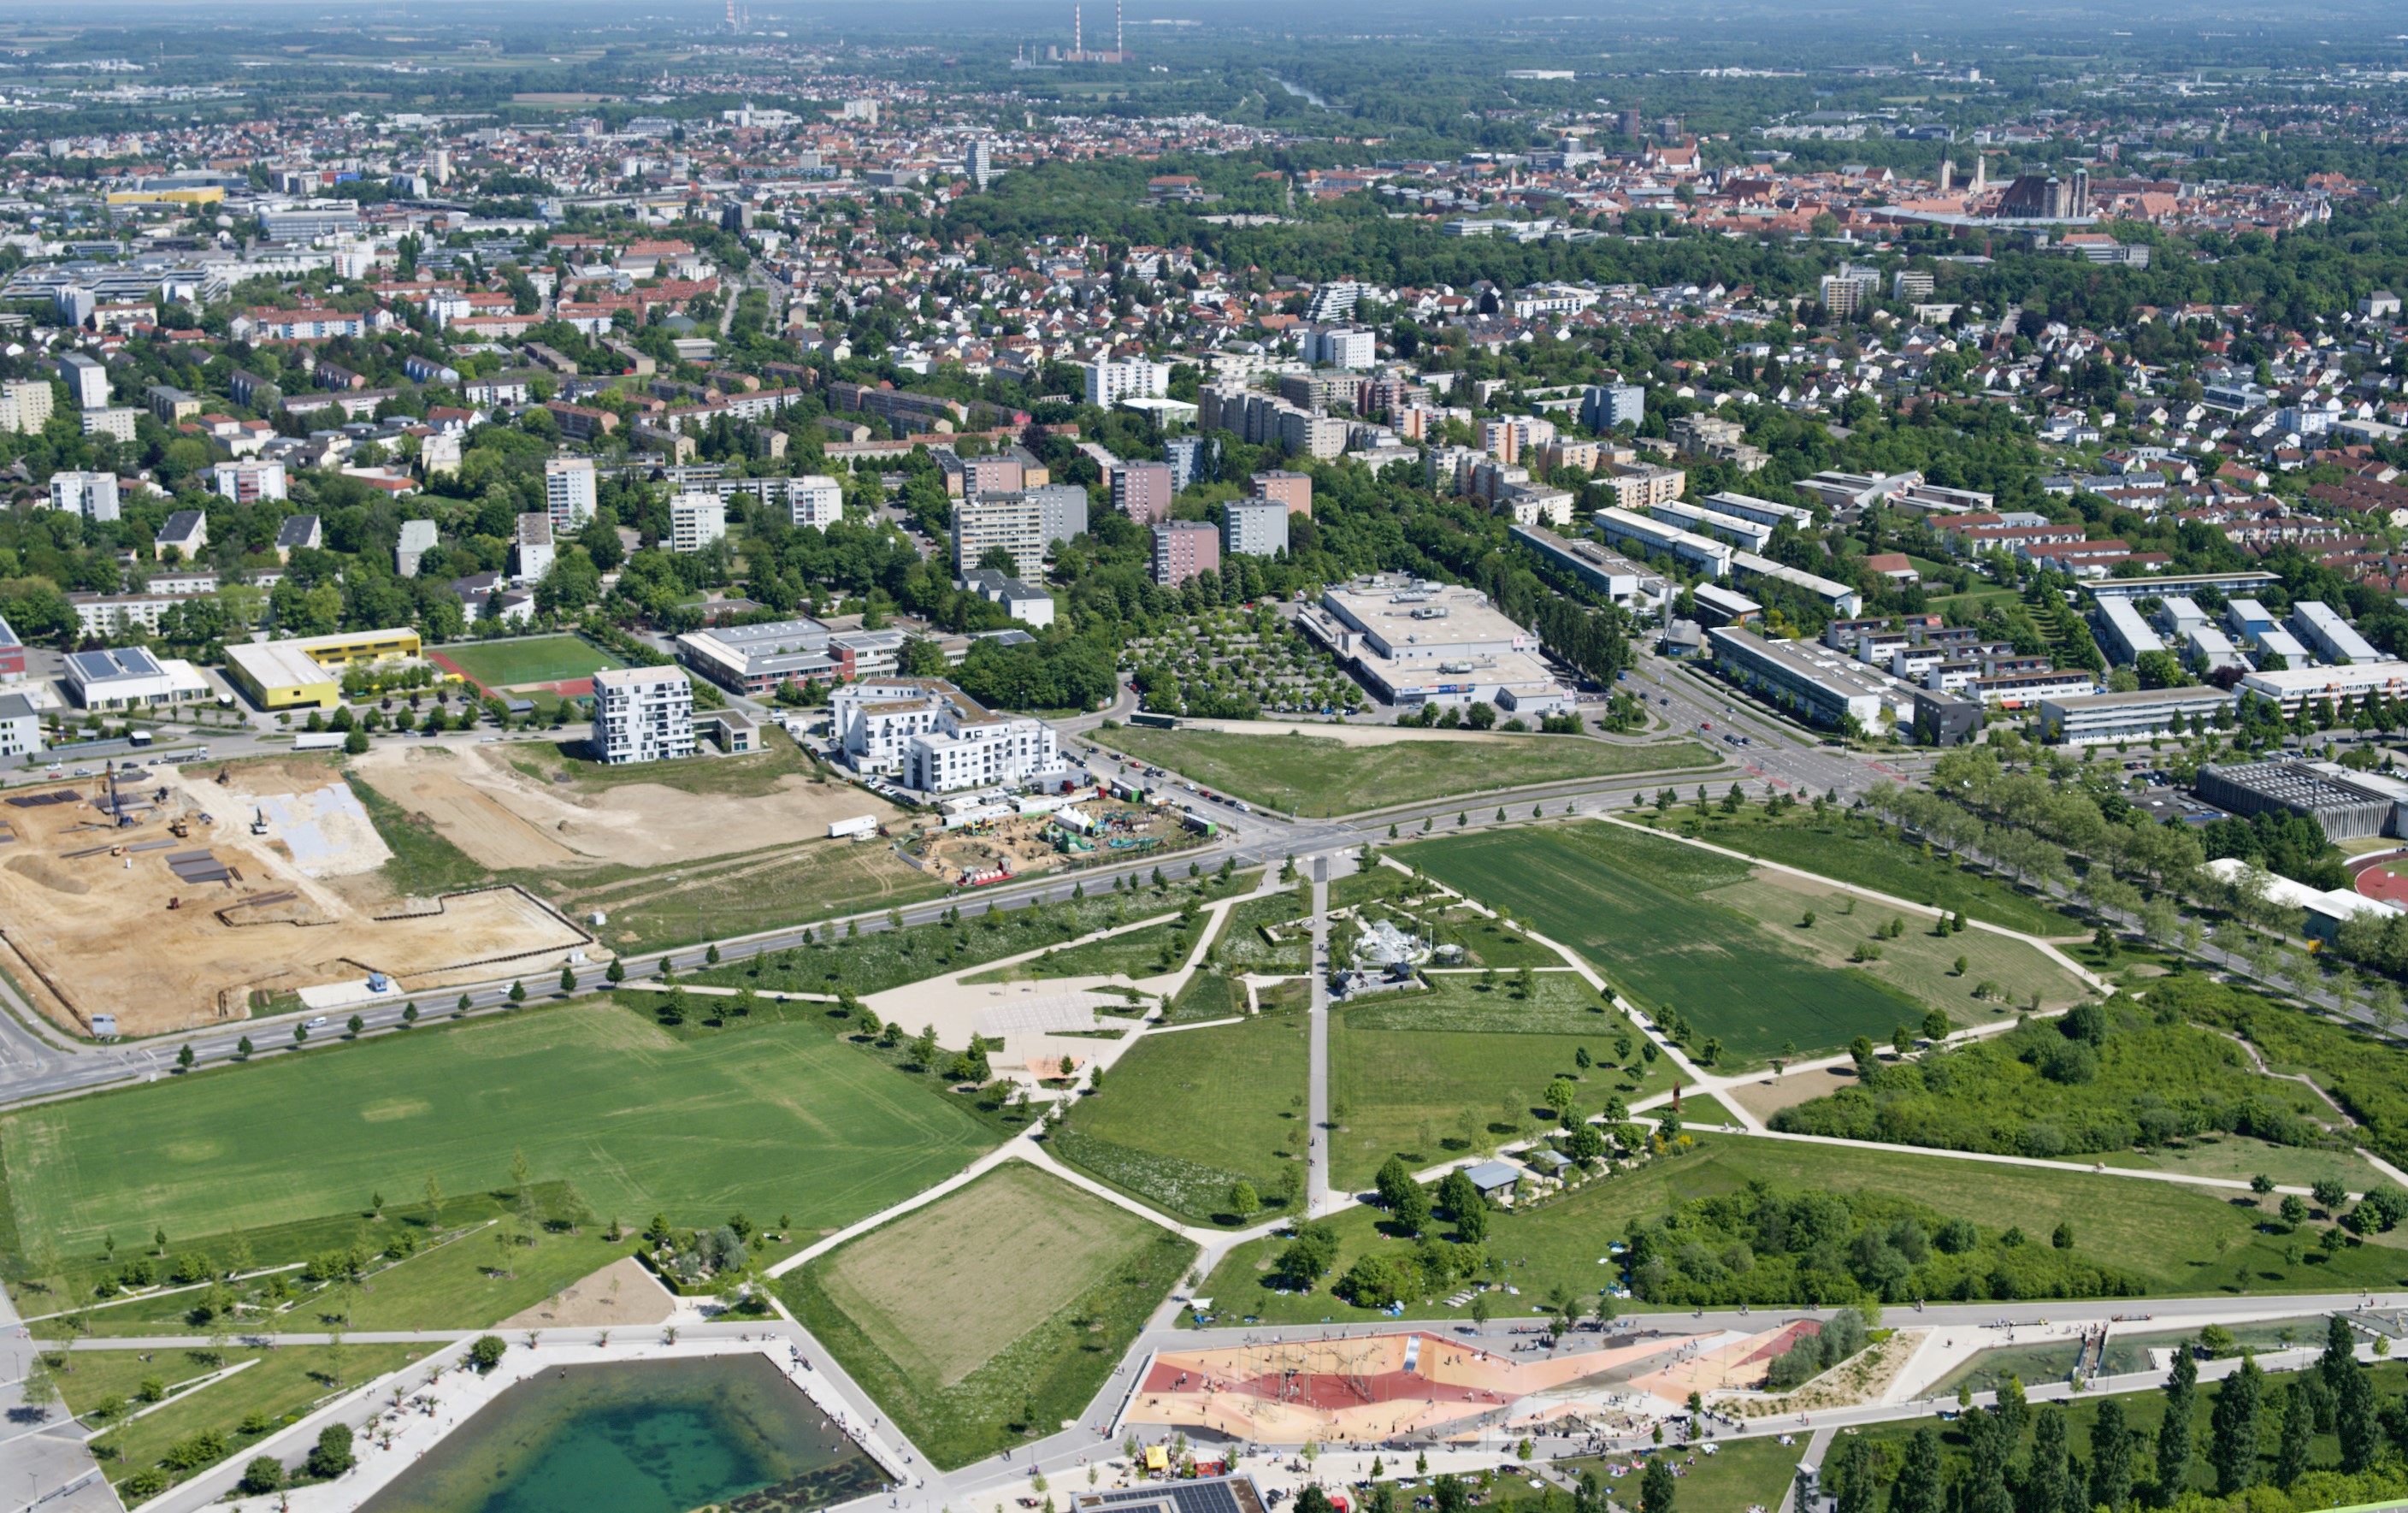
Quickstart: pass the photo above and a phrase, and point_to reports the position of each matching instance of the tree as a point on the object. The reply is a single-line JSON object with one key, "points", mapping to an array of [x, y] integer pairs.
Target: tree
{"points": [[355, 744], [568, 979], [1243, 1200], [332, 1455], [352, 1027], [2110, 1456], [1852, 1478], [2232, 1428], [2330, 1195], [2049, 1484], [184, 1058], [518, 992], [486, 1353], [242, 1049], [1920, 1477], [263, 1474], [2174, 1434], [1657, 1487], [616, 972], [1413, 1208], [2298, 1422]]}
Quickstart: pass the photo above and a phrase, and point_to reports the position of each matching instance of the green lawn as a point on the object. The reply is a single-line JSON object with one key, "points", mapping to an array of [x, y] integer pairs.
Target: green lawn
{"points": [[1433, 1076], [1209, 995], [275, 1389], [1863, 851], [1137, 953], [1242, 947], [1642, 908], [500, 664], [991, 1316], [1316, 775], [890, 957], [777, 1118], [1741, 1473], [2181, 1241], [1182, 1117]]}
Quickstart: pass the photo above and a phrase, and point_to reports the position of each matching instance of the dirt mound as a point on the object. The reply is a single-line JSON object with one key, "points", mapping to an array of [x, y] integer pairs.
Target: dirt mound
{"points": [[57, 879]]}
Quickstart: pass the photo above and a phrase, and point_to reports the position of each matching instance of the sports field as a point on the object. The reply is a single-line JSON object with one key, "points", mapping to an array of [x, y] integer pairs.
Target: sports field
{"points": [[1182, 1117], [998, 1307], [779, 1119], [1642, 910], [496, 665], [1316, 775], [1430, 1076]]}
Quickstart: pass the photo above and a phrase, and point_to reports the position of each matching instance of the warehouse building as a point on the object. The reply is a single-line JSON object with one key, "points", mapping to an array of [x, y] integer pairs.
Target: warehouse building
{"points": [[2345, 808], [2320, 626], [1812, 681], [1414, 642], [2091, 719]]}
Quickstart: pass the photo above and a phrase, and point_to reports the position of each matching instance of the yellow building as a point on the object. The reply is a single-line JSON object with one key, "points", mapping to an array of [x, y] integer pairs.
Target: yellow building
{"points": [[203, 194], [291, 674]]}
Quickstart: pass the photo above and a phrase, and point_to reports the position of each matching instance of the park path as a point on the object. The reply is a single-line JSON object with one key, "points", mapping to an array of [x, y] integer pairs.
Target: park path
{"points": [[1317, 1199]]}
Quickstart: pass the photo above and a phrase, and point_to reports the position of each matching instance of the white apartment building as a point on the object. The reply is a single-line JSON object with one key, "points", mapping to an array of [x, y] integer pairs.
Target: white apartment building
{"points": [[569, 491], [87, 379], [248, 481], [695, 520], [1131, 378], [93, 496], [936, 738], [643, 714], [1014, 522], [1349, 347], [815, 499]]}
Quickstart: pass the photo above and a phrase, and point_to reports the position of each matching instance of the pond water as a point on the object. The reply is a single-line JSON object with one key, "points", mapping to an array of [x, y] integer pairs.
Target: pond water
{"points": [[659, 1437]]}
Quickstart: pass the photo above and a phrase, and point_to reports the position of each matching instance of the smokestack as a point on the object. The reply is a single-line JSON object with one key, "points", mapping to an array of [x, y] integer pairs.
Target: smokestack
{"points": [[1120, 47], [1078, 34]]}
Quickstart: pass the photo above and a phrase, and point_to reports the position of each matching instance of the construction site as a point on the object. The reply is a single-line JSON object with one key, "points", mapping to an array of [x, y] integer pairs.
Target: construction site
{"points": [[987, 842], [145, 900]]}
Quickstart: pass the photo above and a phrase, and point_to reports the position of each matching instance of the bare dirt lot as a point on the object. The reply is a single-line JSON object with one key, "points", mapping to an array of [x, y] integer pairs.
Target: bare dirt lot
{"points": [[86, 923], [504, 817]]}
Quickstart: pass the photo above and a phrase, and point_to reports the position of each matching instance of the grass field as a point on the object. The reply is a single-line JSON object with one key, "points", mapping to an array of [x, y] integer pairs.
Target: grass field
{"points": [[273, 1389], [502, 664], [1241, 946], [1139, 953], [1182, 1117], [2182, 1240], [1431, 1076], [777, 1118], [1642, 910], [991, 1314], [1855, 849], [1316, 775], [891, 957], [1209, 995], [1739, 1474]]}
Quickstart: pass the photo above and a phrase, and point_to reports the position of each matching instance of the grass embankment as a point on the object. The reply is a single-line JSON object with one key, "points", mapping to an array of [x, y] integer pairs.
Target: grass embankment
{"points": [[1316, 775]]}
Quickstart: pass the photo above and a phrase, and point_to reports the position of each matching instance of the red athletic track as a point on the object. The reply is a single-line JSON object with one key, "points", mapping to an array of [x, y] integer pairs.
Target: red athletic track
{"points": [[2372, 881]]}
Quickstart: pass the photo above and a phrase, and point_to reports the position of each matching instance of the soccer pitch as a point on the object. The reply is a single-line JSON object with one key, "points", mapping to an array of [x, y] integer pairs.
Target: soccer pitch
{"points": [[506, 664], [776, 1121], [1643, 909]]}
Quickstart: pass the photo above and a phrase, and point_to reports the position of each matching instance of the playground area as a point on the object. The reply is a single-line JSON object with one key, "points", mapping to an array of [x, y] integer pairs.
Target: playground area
{"points": [[1385, 1386], [987, 844], [175, 898]]}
